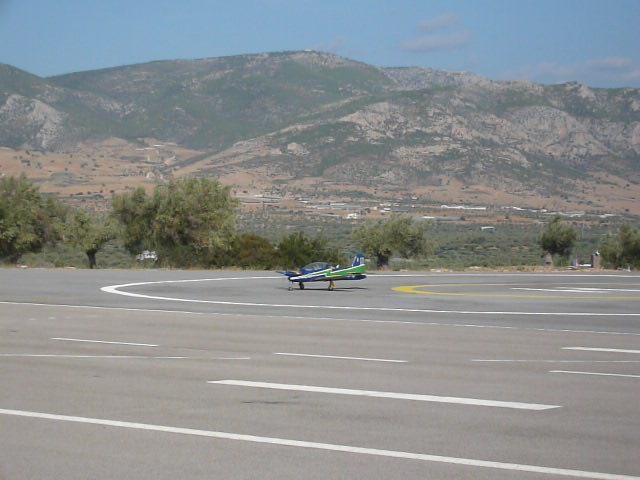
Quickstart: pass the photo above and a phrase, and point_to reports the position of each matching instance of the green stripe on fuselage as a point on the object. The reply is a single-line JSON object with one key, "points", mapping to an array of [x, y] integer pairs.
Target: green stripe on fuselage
{"points": [[355, 270]]}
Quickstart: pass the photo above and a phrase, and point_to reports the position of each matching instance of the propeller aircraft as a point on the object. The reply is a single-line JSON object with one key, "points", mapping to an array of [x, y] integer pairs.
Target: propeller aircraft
{"points": [[325, 272]]}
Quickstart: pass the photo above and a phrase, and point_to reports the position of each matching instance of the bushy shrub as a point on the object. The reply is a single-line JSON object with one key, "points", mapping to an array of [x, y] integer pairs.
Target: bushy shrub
{"points": [[296, 250], [28, 219], [253, 251], [188, 222], [398, 235], [623, 250], [558, 238]]}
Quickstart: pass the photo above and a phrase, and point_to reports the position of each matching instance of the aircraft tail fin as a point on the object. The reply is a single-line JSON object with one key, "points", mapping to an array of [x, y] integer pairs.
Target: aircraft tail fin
{"points": [[358, 260]]}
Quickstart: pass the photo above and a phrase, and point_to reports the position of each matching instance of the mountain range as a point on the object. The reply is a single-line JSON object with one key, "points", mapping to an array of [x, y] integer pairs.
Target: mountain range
{"points": [[303, 117]]}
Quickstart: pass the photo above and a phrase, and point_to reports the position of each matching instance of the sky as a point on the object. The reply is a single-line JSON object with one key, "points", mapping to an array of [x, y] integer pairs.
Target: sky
{"points": [[547, 41]]}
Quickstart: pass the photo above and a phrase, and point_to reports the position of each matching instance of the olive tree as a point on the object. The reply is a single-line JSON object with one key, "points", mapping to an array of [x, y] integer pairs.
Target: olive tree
{"points": [[558, 238], [188, 222], [622, 250], [398, 235], [297, 250], [88, 233], [28, 219]]}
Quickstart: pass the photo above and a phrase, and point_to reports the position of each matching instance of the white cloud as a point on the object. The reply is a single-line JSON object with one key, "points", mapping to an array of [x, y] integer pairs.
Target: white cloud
{"points": [[433, 43], [441, 21], [608, 71], [632, 76], [433, 39], [610, 64]]}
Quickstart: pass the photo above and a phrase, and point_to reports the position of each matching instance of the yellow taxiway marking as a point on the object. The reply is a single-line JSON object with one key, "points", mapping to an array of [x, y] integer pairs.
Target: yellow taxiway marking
{"points": [[418, 290]]}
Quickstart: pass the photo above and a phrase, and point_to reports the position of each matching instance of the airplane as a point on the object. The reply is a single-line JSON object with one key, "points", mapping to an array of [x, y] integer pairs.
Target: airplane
{"points": [[325, 272]]}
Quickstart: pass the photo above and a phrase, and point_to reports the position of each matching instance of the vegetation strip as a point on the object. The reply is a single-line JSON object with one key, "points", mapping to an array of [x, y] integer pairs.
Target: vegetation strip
{"points": [[192, 222]]}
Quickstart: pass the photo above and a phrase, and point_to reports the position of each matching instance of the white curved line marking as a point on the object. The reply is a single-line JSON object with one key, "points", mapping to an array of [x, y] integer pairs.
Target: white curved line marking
{"points": [[115, 289]]}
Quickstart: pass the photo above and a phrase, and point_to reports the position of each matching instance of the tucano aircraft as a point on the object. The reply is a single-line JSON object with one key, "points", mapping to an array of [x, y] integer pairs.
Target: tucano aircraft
{"points": [[325, 272]]}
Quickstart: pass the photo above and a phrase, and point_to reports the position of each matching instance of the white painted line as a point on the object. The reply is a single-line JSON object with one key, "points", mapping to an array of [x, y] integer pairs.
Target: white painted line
{"points": [[553, 361], [594, 349], [340, 358], [115, 289], [595, 373], [397, 396], [327, 446], [82, 356], [521, 275], [47, 355], [575, 290], [95, 307], [334, 319], [102, 341]]}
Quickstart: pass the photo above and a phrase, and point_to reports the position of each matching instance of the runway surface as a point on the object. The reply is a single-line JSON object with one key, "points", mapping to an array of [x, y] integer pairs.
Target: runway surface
{"points": [[179, 374]]}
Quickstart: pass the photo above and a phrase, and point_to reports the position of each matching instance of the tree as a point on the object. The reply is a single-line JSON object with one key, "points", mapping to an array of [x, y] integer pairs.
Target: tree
{"points": [[381, 239], [28, 220], [558, 238], [253, 251], [297, 250], [623, 250], [135, 213], [188, 222], [88, 234]]}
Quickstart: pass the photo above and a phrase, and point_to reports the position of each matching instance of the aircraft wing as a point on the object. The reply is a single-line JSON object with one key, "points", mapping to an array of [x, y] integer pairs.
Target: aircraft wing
{"points": [[289, 273], [312, 276]]}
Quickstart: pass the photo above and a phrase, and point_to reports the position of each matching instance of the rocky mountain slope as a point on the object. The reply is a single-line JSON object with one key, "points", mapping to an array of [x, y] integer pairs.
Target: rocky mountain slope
{"points": [[297, 115]]}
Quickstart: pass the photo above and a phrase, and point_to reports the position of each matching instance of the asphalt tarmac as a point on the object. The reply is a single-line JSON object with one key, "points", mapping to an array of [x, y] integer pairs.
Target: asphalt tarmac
{"points": [[180, 374]]}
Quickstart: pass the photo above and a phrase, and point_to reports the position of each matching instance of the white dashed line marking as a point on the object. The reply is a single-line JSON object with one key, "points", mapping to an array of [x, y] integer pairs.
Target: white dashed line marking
{"points": [[392, 395], [333, 319], [596, 349], [103, 341], [47, 355], [340, 357], [595, 373], [553, 361], [51, 355]]}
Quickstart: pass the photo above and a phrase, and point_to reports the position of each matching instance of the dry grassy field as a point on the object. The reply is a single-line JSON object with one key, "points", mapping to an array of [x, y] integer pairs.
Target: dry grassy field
{"points": [[91, 172]]}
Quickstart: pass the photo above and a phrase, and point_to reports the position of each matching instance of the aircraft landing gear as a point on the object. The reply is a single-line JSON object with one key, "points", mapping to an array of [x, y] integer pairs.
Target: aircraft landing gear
{"points": [[331, 285], [301, 285]]}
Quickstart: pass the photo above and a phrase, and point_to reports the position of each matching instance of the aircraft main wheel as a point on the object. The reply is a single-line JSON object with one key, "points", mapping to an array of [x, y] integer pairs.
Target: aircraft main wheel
{"points": [[331, 286], [301, 285]]}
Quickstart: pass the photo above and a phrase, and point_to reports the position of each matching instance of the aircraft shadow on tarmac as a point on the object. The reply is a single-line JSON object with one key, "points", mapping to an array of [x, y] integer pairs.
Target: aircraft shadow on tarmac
{"points": [[335, 290]]}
